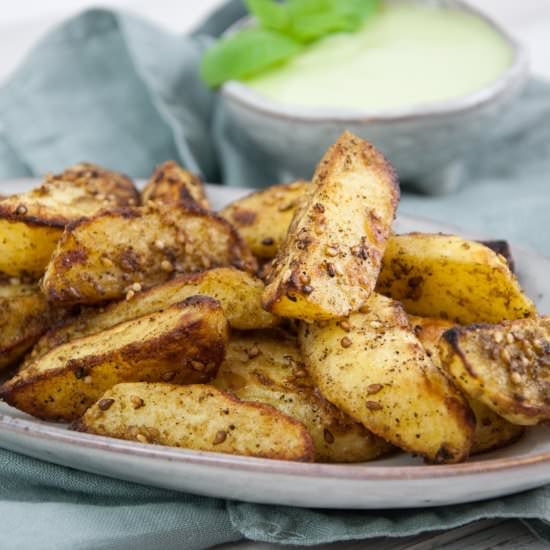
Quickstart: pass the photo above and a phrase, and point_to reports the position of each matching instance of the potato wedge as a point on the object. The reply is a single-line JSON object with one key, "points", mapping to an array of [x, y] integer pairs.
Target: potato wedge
{"points": [[505, 366], [372, 366], [238, 292], [182, 344], [106, 256], [31, 223], [171, 184], [329, 262], [198, 417], [266, 366], [492, 431], [445, 276], [25, 315], [263, 217]]}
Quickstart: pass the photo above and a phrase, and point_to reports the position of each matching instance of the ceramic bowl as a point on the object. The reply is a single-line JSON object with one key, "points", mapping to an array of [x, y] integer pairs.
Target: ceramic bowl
{"points": [[427, 144]]}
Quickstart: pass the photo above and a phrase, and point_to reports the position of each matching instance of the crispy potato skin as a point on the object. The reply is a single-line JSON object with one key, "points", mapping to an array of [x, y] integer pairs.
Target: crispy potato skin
{"points": [[505, 366], [238, 292], [330, 260], [492, 431], [263, 217], [31, 223], [376, 371], [171, 184], [25, 315], [197, 417], [445, 276], [267, 367], [101, 257], [184, 343]]}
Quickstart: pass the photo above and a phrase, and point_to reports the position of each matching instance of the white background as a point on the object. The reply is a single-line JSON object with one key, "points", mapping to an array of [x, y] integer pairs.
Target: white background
{"points": [[23, 22]]}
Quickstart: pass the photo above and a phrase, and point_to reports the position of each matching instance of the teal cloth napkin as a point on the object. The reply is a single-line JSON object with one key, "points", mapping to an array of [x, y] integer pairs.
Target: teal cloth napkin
{"points": [[113, 89]]}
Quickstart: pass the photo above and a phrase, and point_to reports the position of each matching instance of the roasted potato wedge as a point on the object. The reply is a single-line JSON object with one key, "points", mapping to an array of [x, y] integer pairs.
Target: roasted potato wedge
{"points": [[31, 223], [238, 292], [263, 217], [183, 344], [266, 366], [372, 366], [445, 276], [492, 431], [328, 265], [106, 256], [25, 315], [505, 366], [171, 184], [197, 417]]}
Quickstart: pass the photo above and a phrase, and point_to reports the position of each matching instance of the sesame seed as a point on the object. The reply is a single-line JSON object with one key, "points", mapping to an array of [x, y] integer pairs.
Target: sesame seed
{"points": [[497, 337], [305, 278], [373, 405], [344, 325], [21, 210], [364, 309], [307, 289], [130, 294], [87, 379], [105, 404], [252, 352], [137, 402], [345, 342], [510, 338], [136, 287], [375, 324], [197, 365], [516, 377], [300, 373], [15, 281], [374, 388], [329, 438], [268, 241], [220, 437], [505, 355], [107, 262], [168, 376], [331, 251], [331, 270], [159, 244], [141, 438], [166, 266]]}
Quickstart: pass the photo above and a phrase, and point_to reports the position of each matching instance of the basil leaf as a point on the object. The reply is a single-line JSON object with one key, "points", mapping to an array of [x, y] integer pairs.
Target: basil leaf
{"points": [[315, 26], [271, 15], [244, 54]]}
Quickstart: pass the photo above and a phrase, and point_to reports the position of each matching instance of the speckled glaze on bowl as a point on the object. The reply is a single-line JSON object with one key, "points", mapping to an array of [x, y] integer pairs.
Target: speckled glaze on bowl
{"points": [[426, 143]]}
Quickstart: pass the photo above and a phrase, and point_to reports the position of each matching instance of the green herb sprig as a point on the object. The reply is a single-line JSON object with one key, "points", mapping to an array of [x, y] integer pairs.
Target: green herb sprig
{"points": [[282, 31]]}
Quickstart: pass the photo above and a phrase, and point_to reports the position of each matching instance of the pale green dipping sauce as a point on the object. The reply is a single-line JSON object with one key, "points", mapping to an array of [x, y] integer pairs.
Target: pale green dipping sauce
{"points": [[405, 55]]}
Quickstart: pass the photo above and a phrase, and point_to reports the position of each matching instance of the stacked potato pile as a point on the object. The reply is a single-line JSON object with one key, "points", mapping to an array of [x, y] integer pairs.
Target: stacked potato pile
{"points": [[293, 324]]}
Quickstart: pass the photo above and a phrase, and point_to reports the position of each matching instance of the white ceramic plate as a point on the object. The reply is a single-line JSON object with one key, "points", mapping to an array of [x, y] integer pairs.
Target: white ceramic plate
{"points": [[397, 482]]}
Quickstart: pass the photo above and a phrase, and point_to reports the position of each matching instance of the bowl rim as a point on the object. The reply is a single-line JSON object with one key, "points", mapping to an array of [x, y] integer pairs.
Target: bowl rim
{"points": [[511, 79]]}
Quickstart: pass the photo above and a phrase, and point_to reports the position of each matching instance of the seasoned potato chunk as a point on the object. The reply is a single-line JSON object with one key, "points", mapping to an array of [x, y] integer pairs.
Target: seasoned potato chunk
{"points": [[267, 367], [329, 262], [182, 344], [372, 366], [445, 276], [106, 256], [31, 223], [238, 292], [197, 417], [171, 184], [25, 315], [492, 431], [263, 217], [505, 366]]}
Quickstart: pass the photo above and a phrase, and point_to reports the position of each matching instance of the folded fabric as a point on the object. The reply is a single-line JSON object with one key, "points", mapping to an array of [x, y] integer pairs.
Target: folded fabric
{"points": [[110, 88], [54, 508]]}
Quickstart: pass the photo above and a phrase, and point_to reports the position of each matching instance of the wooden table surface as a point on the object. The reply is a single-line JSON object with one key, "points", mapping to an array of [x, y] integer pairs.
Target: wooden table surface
{"points": [[528, 20]]}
